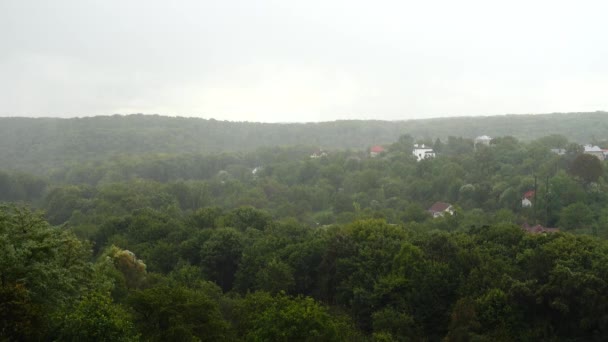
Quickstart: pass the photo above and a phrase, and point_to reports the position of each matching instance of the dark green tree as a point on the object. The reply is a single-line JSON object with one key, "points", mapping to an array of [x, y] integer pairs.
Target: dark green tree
{"points": [[175, 313], [42, 268], [220, 256], [587, 168]]}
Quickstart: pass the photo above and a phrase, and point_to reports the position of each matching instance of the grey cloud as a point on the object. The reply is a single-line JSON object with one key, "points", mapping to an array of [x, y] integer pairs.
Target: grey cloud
{"points": [[301, 61]]}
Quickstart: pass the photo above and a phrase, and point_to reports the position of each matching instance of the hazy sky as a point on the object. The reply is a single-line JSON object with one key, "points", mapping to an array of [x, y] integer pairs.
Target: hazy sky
{"points": [[264, 60]]}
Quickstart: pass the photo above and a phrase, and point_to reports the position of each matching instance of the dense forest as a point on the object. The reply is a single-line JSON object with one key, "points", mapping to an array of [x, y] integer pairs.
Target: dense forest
{"points": [[171, 229], [39, 144]]}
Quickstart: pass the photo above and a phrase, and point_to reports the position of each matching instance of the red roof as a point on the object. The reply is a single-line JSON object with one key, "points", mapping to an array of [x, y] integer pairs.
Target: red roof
{"points": [[538, 229], [529, 194], [439, 207], [376, 149]]}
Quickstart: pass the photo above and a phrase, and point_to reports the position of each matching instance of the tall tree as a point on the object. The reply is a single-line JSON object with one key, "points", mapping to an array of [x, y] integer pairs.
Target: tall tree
{"points": [[587, 168]]}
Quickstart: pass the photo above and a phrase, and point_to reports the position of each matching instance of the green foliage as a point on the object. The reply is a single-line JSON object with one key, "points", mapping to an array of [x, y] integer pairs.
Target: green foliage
{"points": [[586, 167], [200, 247], [275, 277], [576, 215], [34, 144], [20, 187], [41, 268], [220, 256], [263, 317], [355, 257], [20, 318], [246, 217], [122, 265], [164, 313], [95, 318]]}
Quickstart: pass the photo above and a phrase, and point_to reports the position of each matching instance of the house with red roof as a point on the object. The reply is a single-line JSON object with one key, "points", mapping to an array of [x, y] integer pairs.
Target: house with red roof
{"points": [[375, 150], [538, 229], [439, 209], [526, 200]]}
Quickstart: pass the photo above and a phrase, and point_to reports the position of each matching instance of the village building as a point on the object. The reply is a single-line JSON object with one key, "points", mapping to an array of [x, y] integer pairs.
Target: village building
{"points": [[538, 229], [439, 209], [318, 154], [483, 140], [526, 201], [374, 151], [422, 152], [594, 151]]}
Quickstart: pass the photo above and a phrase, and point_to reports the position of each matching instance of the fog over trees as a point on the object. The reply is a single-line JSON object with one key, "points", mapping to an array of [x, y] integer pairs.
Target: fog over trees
{"points": [[173, 229], [36, 145]]}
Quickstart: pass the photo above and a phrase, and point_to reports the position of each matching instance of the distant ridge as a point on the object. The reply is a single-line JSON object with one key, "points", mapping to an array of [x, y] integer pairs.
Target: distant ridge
{"points": [[31, 143]]}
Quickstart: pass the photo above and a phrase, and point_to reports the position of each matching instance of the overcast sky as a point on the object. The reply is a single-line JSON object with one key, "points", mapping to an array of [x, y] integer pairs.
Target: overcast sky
{"points": [[285, 61]]}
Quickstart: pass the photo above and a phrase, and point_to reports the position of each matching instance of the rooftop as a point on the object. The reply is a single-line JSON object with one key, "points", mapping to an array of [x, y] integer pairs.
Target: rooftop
{"points": [[439, 207]]}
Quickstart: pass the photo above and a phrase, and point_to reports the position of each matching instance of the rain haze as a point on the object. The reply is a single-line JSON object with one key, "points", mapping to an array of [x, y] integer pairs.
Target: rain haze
{"points": [[278, 61]]}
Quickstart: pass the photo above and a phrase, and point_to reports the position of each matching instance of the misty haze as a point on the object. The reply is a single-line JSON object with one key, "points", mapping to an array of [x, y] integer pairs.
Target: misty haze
{"points": [[303, 171]]}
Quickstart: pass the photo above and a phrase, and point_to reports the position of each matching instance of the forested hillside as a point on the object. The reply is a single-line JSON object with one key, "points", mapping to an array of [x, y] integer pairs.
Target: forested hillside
{"points": [[281, 244], [36, 145]]}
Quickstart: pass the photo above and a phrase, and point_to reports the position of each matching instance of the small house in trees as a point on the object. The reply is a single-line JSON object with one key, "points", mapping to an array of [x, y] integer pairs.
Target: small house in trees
{"points": [[422, 152], [559, 151], [318, 154], [594, 151], [439, 209], [256, 170], [526, 201], [374, 151], [483, 140], [538, 229]]}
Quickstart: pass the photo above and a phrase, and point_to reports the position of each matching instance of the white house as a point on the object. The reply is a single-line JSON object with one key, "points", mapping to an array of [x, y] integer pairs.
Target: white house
{"points": [[422, 152], [526, 201], [483, 140], [318, 154], [594, 151]]}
